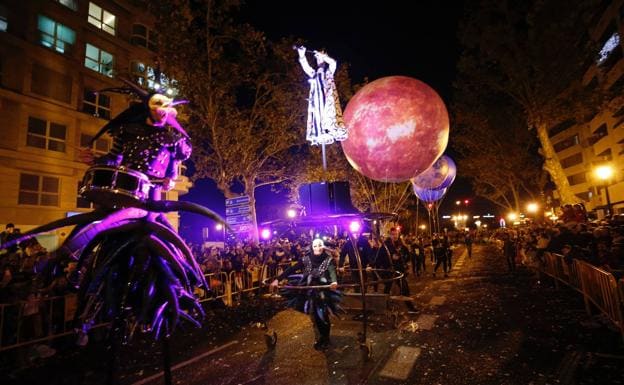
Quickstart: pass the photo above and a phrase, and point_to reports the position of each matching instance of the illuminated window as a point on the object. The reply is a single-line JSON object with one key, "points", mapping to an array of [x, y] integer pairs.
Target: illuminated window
{"points": [[100, 147], [71, 4], [55, 35], [150, 78], [4, 19], [46, 135], [38, 190], [144, 37], [96, 104], [99, 60], [101, 18]]}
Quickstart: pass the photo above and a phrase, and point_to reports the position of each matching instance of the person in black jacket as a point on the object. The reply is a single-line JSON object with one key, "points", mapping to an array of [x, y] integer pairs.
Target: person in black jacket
{"points": [[398, 252], [364, 250], [316, 269]]}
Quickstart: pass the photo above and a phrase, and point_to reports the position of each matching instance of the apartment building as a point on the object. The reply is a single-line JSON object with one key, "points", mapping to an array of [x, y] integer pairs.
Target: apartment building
{"points": [[53, 55], [582, 148]]}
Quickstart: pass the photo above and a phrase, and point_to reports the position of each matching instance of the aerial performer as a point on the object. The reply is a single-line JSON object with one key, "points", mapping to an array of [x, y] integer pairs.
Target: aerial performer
{"points": [[317, 271], [325, 123], [134, 268]]}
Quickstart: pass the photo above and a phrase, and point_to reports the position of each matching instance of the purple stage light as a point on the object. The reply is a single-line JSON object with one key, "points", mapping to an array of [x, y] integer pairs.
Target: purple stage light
{"points": [[265, 233], [354, 226]]}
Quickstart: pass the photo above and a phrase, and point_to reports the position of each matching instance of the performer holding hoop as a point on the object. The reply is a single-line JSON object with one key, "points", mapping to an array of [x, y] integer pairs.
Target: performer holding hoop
{"points": [[317, 268]]}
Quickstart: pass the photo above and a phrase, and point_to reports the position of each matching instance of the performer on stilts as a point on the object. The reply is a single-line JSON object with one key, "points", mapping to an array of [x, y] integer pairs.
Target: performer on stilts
{"points": [[137, 271], [316, 269]]}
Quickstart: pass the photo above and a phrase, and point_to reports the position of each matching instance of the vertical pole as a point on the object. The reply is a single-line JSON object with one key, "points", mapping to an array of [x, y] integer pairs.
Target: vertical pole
{"points": [[166, 351], [608, 200], [324, 159]]}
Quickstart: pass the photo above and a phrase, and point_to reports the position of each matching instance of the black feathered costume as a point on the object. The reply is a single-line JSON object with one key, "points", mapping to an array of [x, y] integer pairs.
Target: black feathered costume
{"points": [[316, 270]]}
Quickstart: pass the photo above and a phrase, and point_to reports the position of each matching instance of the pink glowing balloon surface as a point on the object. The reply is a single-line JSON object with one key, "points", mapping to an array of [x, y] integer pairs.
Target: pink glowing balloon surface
{"points": [[398, 126]]}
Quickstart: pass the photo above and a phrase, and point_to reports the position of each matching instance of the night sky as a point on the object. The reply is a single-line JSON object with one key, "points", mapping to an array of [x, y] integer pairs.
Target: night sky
{"points": [[416, 39]]}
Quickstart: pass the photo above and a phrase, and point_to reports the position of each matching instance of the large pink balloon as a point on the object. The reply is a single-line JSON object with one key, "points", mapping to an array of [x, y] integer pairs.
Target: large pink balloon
{"points": [[398, 126]]}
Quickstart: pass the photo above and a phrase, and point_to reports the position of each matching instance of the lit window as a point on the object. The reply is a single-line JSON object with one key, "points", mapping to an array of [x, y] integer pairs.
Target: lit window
{"points": [[101, 18], [46, 135], [38, 190], [96, 104], [71, 4], [4, 19], [99, 60], [150, 78], [55, 35], [100, 147], [144, 37], [609, 46]]}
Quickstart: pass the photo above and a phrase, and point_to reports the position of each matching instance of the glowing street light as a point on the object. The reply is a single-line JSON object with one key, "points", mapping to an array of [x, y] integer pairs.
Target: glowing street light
{"points": [[478, 223], [422, 227], [291, 213], [532, 207], [265, 234], [604, 173], [219, 226], [512, 217]]}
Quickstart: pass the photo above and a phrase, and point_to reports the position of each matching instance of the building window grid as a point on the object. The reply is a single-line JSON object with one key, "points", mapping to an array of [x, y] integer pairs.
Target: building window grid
{"points": [[4, 20], [566, 143], [99, 60], [150, 78], [572, 160], [96, 104], [71, 4], [101, 18], [144, 37], [38, 190], [100, 147], [55, 35], [46, 135]]}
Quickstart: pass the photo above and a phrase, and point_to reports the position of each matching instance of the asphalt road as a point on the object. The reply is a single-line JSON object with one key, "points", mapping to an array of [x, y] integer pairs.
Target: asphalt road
{"points": [[481, 325]]}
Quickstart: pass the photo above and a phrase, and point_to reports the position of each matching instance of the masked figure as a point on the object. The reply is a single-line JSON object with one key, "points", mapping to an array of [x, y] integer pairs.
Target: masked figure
{"points": [[316, 269]]}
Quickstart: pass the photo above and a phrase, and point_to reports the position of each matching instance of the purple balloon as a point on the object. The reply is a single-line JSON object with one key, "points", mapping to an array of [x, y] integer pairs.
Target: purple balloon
{"points": [[428, 195], [440, 175]]}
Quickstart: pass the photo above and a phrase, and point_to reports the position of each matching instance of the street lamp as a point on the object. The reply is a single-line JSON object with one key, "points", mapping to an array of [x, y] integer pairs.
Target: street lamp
{"points": [[512, 217], [291, 213], [532, 207], [604, 173]]}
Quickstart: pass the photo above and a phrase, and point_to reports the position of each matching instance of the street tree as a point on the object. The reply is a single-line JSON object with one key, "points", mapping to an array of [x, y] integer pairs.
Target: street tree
{"points": [[497, 154], [536, 53], [246, 93]]}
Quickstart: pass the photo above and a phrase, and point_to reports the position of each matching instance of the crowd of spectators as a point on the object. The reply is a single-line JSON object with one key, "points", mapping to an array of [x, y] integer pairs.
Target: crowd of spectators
{"points": [[600, 243]]}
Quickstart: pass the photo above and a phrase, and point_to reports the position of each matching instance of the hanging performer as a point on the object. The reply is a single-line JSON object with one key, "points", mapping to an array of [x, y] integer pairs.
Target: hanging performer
{"points": [[325, 123], [317, 269]]}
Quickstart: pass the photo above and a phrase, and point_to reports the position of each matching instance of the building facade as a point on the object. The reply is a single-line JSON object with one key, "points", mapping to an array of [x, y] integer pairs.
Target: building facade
{"points": [[53, 55], [582, 148]]}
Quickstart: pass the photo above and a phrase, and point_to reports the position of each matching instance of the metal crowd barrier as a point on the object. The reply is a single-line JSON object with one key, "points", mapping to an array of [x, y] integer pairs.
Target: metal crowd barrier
{"points": [[598, 287], [37, 320], [19, 322]]}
